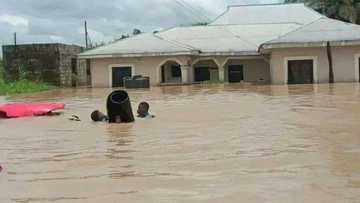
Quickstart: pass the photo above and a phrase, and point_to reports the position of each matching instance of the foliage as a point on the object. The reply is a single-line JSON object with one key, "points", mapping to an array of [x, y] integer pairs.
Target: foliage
{"points": [[21, 86], [1, 72], [200, 24], [136, 31], [345, 10]]}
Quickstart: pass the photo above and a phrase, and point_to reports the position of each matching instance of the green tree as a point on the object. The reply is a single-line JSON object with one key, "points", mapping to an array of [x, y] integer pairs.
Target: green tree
{"points": [[137, 31], [345, 10], [200, 24], [1, 71]]}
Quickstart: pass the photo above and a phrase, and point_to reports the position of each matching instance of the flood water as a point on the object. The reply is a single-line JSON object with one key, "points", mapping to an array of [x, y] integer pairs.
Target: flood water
{"points": [[217, 143]]}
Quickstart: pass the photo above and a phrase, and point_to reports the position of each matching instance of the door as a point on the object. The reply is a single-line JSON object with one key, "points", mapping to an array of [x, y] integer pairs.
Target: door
{"points": [[236, 73], [202, 74], [300, 72], [74, 72], [118, 74], [162, 74]]}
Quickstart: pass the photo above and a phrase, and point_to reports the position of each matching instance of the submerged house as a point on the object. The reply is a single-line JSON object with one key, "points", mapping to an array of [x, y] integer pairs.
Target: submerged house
{"points": [[273, 44]]}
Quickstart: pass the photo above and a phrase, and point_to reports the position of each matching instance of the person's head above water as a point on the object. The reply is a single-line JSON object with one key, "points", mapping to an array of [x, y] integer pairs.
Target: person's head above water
{"points": [[143, 109], [98, 116]]}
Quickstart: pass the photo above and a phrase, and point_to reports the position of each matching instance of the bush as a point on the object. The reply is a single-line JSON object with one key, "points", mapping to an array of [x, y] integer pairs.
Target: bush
{"points": [[22, 86], [1, 72]]}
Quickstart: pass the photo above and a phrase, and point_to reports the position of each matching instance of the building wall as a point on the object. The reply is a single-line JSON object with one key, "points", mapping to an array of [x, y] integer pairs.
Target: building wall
{"points": [[255, 70], [146, 66], [343, 63], [50, 63], [83, 72], [67, 53]]}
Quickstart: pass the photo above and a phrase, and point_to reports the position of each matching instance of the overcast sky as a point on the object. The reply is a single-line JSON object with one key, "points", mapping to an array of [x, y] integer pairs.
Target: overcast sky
{"points": [[62, 20]]}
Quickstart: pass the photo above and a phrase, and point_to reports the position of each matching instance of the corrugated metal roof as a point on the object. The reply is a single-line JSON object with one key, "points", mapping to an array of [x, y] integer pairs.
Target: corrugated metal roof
{"points": [[143, 44], [322, 30], [269, 13], [227, 38], [266, 26]]}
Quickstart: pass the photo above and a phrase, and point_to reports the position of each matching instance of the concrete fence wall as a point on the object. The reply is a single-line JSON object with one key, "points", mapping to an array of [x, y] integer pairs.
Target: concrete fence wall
{"points": [[50, 63]]}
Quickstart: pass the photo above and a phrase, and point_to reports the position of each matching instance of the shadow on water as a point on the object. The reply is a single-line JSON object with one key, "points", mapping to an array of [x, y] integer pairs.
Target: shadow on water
{"points": [[119, 139], [119, 150]]}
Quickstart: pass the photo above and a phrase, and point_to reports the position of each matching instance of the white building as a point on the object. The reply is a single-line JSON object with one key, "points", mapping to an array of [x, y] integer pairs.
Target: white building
{"points": [[277, 43]]}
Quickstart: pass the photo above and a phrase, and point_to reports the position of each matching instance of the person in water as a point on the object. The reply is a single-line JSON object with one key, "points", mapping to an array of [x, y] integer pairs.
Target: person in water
{"points": [[98, 116], [143, 110]]}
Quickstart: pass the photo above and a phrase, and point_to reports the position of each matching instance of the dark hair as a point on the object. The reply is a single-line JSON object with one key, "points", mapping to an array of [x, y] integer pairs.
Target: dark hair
{"points": [[145, 104], [95, 115]]}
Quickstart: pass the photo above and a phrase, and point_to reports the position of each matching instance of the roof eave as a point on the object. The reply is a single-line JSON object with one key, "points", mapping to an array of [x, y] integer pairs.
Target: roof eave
{"points": [[280, 45], [231, 53], [154, 54], [125, 55]]}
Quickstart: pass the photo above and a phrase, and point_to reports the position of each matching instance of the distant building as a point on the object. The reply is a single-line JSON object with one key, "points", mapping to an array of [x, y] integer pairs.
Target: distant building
{"points": [[274, 44], [55, 64]]}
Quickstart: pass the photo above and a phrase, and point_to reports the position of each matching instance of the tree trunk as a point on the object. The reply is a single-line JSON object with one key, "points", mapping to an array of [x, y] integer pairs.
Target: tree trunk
{"points": [[331, 69]]}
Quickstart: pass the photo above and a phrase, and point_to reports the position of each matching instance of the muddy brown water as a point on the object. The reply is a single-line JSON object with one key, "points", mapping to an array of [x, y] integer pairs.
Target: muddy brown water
{"points": [[218, 143]]}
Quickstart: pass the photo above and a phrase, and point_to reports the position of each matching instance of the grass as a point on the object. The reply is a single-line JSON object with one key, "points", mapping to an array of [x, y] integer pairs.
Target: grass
{"points": [[21, 86]]}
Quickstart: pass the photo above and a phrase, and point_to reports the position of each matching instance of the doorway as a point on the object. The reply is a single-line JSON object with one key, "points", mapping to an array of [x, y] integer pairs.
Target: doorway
{"points": [[202, 74], [74, 72], [118, 75], [171, 72], [235, 73], [301, 72]]}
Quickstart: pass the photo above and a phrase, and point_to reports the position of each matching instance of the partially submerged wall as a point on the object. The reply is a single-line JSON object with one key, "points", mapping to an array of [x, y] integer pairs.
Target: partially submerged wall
{"points": [[344, 63], [146, 66], [256, 69], [39, 62], [68, 65], [50, 63]]}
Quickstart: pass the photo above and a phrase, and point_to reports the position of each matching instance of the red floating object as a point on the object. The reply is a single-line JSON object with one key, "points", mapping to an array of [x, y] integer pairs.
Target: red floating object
{"points": [[28, 109]]}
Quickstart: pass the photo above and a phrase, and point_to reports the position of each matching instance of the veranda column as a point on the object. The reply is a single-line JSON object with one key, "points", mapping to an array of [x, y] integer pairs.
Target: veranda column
{"points": [[185, 70], [222, 74]]}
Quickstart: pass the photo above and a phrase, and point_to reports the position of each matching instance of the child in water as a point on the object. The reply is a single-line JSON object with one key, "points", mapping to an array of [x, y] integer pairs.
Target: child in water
{"points": [[98, 116], [143, 110]]}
